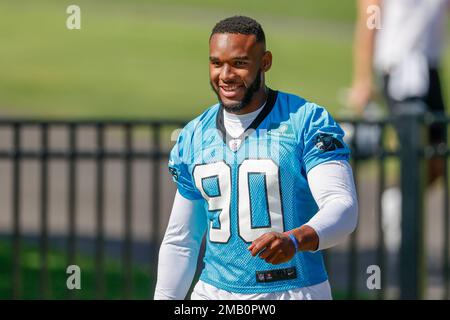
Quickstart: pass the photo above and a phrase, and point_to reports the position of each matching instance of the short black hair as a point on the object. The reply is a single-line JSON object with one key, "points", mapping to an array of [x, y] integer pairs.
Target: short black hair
{"points": [[242, 25]]}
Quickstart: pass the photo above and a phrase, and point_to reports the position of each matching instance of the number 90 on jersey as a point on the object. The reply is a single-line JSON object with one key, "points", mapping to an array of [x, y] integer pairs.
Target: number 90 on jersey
{"points": [[222, 201]]}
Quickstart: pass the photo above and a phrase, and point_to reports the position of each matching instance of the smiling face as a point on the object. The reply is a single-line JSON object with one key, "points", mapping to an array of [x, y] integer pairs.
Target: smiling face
{"points": [[237, 63]]}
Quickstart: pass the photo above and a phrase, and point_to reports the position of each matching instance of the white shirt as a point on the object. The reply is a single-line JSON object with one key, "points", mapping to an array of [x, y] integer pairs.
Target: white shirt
{"points": [[409, 43], [235, 124], [408, 28]]}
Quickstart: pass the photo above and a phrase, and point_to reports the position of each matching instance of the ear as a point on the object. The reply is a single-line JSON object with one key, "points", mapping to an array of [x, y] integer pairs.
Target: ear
{"points": [[266, 61]]}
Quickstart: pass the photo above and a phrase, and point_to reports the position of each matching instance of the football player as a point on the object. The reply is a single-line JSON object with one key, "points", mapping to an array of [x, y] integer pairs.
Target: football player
{"points": [[264, 175]]}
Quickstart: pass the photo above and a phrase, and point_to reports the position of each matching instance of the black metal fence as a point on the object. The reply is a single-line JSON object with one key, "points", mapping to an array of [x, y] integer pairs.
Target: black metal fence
{"points": [[17, 153], [411, 154]]}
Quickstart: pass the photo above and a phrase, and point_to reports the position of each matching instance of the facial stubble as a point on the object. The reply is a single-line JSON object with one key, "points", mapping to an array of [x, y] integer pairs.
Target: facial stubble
{"points": [[248, 96]]}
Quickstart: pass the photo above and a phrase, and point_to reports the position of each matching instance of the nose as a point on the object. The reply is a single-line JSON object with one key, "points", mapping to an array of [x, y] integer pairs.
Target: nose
{"points": [[226, 74]]}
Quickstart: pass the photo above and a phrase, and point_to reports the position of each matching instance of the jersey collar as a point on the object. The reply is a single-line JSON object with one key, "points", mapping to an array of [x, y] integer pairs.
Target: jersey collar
{"points": [[235, 143]]}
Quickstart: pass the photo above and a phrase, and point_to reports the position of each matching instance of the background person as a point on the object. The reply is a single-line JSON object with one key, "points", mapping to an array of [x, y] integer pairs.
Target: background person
{"points": [[405, 54]]}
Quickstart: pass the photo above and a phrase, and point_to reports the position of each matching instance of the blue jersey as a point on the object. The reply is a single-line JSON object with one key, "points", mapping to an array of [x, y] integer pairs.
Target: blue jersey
{"points": [[254, 184]]}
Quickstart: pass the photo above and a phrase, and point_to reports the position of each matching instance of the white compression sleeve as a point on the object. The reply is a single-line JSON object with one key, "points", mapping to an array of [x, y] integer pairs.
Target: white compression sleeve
{"points": [[180, 248], [333, 188]]}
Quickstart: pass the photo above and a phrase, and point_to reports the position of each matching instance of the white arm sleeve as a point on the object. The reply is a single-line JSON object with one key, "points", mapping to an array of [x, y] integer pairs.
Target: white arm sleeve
{"points": [[179, 249], [333, 188]]}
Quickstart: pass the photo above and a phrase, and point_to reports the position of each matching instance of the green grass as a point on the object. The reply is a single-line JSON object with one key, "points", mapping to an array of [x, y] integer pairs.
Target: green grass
{"points": [[141, 58], [57, 265], [138, 58]]}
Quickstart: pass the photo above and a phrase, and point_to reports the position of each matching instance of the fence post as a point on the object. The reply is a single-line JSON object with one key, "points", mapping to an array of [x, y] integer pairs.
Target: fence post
{"points": [[411, 251]]}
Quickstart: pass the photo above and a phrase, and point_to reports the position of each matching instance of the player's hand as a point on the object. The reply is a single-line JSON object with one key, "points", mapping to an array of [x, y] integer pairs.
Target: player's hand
{"points": [[273, 247], [359, 96]]}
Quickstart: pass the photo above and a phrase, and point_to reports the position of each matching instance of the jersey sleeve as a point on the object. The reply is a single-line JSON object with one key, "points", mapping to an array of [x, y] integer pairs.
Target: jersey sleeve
{"points": [[322, 138], [179, 161]]}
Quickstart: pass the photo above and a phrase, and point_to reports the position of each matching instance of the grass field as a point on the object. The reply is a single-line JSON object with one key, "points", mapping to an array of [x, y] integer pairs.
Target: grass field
{"points": [[149, 58]]}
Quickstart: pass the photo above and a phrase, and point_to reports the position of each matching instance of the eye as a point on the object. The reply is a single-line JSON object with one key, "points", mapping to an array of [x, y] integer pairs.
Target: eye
{"points": [[240, 63]]}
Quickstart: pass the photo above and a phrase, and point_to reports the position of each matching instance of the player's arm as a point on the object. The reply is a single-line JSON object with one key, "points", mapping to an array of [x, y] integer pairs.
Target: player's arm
{"points": [[363, 51], [180, 248], [333, 189]]}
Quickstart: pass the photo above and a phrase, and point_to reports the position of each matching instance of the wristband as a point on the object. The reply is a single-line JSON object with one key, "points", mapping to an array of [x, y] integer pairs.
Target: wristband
{"points": [[294, 240]]}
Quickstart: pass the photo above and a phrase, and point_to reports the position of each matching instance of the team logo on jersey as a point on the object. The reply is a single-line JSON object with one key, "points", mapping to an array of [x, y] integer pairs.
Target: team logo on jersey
{"points": [[326, 142], [174, 173]]}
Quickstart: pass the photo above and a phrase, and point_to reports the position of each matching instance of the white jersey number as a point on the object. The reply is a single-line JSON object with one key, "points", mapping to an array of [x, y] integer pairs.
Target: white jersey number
{"points": [[222, 202]]}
